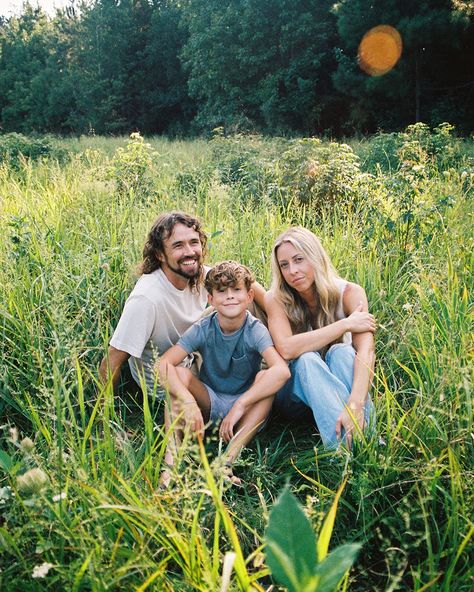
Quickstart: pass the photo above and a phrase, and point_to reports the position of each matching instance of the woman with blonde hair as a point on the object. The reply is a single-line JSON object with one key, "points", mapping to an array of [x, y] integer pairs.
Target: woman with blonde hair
{"points": [[320, 323]]}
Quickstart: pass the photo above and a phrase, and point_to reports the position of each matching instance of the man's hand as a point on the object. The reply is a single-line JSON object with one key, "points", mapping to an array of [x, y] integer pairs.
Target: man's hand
{"points": [[226, 431], [352, 421], [192, 417]]}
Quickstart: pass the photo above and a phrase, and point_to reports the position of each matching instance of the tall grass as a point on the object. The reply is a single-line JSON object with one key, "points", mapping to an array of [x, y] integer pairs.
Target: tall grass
{"points": [[69, 242]]}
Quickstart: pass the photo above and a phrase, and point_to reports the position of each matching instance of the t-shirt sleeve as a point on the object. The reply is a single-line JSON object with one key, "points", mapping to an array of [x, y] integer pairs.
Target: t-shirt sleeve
{"points": [[261, 337], [191, 340], [135, 326]]}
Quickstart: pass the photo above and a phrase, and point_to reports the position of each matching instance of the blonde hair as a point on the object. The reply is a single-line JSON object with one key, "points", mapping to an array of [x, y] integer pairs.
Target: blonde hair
{"points": [[325, 287]]}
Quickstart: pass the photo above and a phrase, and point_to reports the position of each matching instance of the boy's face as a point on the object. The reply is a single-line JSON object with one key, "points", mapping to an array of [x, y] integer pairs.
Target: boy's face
{"points": [[231, 301]]}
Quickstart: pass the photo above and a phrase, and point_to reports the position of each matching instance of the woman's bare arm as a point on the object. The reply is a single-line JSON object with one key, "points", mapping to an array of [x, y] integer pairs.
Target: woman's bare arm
{"points": [[364, 363], [291, 346]]}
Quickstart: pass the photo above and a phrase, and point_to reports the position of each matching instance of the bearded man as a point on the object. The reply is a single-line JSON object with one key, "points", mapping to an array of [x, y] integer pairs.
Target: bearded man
{"points": [[167, 299]]}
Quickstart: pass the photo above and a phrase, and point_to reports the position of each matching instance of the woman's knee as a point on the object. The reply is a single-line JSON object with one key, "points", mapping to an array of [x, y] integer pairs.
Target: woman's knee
{"points": [[305, 361], [340, 353]]}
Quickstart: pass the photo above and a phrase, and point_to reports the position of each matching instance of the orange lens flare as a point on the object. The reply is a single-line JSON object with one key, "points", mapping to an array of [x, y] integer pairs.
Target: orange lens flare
{"points": [[379, 50]]}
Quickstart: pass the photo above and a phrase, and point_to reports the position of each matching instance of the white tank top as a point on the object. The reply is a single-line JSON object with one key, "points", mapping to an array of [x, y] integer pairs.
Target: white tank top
{"points": [[340, 314]]}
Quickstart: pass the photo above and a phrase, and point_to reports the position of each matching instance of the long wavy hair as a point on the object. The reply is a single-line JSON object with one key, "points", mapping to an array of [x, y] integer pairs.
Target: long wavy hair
{"points": [[160, 231], [325, 287]]}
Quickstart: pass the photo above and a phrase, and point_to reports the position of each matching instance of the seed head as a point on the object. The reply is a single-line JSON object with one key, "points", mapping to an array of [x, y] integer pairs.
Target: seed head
{"points": [[33, 481]]}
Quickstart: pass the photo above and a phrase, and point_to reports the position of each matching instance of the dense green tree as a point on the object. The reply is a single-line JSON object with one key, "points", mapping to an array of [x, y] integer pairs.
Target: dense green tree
{"points": [[264, 63], [163, 66], [165, 105], [25, 70], [433, 69]]}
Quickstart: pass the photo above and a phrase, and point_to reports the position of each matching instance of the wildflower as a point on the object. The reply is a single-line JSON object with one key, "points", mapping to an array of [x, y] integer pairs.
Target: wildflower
{"points": [[33, 481], [13, 435], [27, 445], [407, 306], [59, 496], [41, 571]]}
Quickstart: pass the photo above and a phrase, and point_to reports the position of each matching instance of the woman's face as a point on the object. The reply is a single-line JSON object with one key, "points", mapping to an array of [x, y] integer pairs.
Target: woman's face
{"points": [[295, 268]]}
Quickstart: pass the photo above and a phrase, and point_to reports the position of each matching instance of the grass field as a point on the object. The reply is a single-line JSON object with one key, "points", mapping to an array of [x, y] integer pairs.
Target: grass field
{"points": [[79, 468]]}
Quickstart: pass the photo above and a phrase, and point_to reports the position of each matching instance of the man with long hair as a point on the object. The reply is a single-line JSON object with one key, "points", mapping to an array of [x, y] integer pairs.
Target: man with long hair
{"points": [[168, 298]]}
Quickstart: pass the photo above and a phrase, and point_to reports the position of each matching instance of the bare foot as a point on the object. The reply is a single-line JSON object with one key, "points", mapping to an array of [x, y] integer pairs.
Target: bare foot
{"points": [[165, 478], [230, 477]]}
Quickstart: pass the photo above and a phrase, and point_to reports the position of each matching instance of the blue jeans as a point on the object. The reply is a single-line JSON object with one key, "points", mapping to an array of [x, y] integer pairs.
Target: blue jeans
{"points": [[324, 386]]}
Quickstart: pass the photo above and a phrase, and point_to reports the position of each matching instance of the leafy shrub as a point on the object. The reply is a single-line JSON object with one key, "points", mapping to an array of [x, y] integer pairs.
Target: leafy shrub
{"points": [[318, 173], [245, 161], [132, 166], [192, 180], [15, 148], [381, 152], [416, 145]]}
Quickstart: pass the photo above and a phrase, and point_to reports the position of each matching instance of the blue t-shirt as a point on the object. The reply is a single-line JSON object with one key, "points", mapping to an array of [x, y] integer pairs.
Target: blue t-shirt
{"points": [[230, 361]]}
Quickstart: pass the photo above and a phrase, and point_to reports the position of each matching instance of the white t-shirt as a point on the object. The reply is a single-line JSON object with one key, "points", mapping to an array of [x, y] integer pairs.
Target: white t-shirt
{"points": [[154, 317]]}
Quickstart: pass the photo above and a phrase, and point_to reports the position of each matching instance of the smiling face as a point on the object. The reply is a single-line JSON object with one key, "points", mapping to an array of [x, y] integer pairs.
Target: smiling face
{"points": [[295, 268], [181, 259], [231, 301]]}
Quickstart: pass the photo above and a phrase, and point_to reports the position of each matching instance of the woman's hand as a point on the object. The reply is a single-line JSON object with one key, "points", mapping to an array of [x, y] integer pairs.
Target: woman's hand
{"points": [[360, 321], [192, 417], [351, 421], [226, 431]]}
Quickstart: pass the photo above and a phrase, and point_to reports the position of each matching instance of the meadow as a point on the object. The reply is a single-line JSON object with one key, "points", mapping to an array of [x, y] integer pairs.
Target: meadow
{"points": [[79, 468]]}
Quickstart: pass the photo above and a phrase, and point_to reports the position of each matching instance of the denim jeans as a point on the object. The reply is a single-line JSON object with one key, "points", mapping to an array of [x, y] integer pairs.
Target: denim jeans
{"points": [[324, 386]]}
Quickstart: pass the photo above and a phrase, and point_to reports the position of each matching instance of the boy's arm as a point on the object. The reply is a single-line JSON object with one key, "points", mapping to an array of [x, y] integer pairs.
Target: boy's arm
{"points": [[170, 380], [267, 383]]}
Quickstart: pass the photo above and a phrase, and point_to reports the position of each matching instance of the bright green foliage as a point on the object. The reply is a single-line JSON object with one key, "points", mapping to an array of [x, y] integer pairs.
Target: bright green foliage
{"points": [[69, 243], [292, 550], [319, 173], [132, 166]]}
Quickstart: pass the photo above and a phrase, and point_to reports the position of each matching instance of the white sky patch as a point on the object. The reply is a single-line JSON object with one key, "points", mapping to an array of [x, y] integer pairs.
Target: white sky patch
{"points": [[14, 7]]}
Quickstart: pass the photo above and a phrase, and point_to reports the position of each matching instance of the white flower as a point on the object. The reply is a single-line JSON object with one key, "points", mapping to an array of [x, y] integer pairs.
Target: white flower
{"points": [[41, 571], [27, 445], [32, 481], [59, 496]]}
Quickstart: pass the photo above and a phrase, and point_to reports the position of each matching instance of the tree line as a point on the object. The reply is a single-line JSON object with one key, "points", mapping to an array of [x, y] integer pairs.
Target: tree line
{"points": [[188, 66]]}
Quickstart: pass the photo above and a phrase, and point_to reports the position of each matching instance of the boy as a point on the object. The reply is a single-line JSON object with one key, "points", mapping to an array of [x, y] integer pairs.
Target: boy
{"points": [[231, 385]]}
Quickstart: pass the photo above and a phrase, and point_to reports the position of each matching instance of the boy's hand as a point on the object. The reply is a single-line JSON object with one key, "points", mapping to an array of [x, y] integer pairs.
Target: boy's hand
{"points": [[226, 431], [193, 417]]}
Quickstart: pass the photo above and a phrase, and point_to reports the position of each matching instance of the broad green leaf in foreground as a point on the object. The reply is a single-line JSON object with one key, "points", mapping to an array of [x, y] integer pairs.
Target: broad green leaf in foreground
{"points": [[291, 544], [332, 569], [6, 462]]}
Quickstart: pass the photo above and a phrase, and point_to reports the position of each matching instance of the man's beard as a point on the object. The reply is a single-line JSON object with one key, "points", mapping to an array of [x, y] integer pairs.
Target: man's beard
{"points": [[187, 274]]}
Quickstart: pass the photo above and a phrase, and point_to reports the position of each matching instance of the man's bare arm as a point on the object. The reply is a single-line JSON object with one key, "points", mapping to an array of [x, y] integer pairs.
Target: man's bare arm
{"points": [[111, 366]]}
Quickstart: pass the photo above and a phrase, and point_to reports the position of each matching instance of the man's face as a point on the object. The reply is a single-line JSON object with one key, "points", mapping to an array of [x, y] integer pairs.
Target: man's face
{"points": [[182, 255]]}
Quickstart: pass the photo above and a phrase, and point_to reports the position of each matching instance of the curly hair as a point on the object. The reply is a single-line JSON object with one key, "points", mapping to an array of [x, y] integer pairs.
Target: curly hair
{"points": [[161, 230], [228, 273]]}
